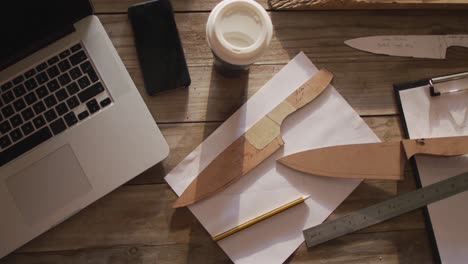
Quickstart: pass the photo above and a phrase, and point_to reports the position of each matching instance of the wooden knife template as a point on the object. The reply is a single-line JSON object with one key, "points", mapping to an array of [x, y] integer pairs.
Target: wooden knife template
{"points": [[372, 160], [257, 144]]}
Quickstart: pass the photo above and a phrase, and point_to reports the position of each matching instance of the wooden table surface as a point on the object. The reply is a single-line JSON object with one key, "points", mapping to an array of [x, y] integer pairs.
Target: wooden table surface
{"points": [[136, 224]]}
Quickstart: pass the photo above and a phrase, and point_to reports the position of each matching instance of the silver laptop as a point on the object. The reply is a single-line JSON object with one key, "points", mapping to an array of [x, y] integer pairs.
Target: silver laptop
{"points": [[73, 126]]}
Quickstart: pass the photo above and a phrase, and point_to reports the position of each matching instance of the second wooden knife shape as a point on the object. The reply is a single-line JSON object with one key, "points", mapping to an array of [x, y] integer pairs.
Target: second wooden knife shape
{"points": [[372, 160], [257, 144]]}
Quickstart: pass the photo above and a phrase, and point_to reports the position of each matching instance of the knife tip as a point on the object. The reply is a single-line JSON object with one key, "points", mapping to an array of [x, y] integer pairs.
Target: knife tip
{"points": [[281, 162], [284, 160], [350, 43]]}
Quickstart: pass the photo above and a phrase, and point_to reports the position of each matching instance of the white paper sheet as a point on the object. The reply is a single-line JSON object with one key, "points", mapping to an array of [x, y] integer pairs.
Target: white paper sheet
{"points": [[328, 120], [441, 116]]}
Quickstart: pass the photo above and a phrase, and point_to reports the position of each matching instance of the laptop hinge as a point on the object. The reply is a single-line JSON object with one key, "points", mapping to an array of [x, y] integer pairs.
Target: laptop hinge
{"points": [[38, 44]]}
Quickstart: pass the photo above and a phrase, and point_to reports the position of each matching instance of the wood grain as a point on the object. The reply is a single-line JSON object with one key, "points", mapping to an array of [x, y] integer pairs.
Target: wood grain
{"points": [[136, 224], [367, 4], [135, 218], [366, 86], [321, 35], [389, 247], [362, 78], [182, 139], [383, 248], [142, 215], [139, 214], [121, 6]]}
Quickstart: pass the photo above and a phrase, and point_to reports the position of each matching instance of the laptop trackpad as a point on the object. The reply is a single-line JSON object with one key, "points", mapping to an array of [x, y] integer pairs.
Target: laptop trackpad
{"points": [[48, 185]]}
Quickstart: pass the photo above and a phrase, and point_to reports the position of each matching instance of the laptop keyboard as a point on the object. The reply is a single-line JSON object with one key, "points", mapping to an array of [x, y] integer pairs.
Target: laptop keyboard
{"points": [[48, 99]]}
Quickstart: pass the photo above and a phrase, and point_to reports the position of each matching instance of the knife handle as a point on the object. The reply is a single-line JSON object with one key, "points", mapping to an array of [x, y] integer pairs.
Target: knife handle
{"points": [[268, 128], [444, 146], [456, 40], [308, 91]]}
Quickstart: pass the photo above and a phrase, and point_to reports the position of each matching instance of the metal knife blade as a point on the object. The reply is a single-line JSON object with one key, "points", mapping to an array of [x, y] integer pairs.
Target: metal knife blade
{"points": [[257, 144], [416, 46], [372, 160]]}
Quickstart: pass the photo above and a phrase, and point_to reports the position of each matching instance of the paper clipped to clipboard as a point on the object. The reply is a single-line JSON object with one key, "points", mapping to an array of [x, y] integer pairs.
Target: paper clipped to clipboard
{"points": [[441, 116], [327, 121]]}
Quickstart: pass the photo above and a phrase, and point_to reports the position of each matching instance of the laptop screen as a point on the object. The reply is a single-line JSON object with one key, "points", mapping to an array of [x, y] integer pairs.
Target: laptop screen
{"points": [[28, 25]]}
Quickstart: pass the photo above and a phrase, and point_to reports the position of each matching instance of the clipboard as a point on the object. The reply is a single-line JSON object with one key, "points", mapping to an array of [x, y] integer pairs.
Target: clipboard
{"points": [[438, 86]]}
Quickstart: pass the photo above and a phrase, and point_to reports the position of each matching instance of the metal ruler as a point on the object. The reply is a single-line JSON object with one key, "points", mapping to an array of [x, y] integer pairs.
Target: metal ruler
{"points": [[386, 210]]}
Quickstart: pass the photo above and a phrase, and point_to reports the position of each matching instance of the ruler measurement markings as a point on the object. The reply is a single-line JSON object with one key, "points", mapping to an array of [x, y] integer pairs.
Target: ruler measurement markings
{"points": [[386, 210]]}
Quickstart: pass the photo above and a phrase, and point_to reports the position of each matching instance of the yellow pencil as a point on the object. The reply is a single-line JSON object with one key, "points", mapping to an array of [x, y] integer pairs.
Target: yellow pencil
{"points": [[260, 218]]}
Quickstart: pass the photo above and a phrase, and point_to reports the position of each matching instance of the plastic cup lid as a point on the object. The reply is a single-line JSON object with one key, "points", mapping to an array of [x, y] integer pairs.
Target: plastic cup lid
{"points": [[238, 31]]}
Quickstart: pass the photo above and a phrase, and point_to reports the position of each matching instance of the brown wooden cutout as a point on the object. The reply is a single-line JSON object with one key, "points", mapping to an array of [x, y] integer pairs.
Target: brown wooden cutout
{"points": [[372, 160], [369, 161], [257, 144]]}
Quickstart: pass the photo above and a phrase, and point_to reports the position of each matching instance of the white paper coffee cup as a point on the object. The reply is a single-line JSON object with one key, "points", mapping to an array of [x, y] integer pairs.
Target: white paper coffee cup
{"points": [[238, 32]]}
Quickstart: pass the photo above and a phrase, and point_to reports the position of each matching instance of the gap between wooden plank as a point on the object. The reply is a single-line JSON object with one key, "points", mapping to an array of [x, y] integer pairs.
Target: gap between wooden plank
{"points": [[384, 247], [223, 120], [362, 78], [367, 4], [320, 36], [367, 88], [120, 6], [135, 211]]}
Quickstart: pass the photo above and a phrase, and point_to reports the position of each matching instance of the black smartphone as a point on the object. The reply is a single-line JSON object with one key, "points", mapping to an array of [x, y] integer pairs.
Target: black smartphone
{"points": [[158, 45]]}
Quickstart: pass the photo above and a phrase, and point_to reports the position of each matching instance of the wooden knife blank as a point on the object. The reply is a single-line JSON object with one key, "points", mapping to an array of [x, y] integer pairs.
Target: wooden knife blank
{"points": [[369, 161], [372, 160], [256, 145]]}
